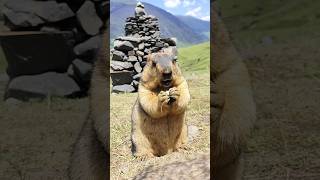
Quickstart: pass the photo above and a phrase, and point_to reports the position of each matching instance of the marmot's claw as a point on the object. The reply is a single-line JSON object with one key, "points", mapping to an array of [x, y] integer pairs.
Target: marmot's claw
{"points": [[164, 97], [173, 94]]}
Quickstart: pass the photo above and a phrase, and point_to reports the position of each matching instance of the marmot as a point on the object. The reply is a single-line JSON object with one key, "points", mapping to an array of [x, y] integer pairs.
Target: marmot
{"points": [[90, 157], [158, 116]]}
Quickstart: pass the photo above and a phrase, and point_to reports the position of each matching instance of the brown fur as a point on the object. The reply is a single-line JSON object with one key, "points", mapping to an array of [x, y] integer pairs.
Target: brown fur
{"points": [[90, 157], [159, 128]]}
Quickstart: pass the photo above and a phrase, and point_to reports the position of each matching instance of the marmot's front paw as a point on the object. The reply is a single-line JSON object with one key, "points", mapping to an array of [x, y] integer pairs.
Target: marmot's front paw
{"points": [[164, 97], [173, 94]]}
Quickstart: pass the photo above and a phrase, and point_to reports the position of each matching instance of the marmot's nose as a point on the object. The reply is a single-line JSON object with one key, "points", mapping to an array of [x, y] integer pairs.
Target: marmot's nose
{"points": [[167, 75]]}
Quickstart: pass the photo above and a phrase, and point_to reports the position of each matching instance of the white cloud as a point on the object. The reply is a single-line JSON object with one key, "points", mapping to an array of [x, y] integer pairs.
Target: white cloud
{"points": [[205, 18], [187, 3], [194, 12], [171, 3]]}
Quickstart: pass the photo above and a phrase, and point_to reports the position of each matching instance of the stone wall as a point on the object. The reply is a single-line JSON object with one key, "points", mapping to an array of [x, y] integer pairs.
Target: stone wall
{"points": [[129, 56], [51, 40]]}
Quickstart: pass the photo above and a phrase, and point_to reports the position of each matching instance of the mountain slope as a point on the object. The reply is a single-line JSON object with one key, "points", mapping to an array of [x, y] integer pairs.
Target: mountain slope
{"points": [[197, 25], [195, 58], [170, 25]]}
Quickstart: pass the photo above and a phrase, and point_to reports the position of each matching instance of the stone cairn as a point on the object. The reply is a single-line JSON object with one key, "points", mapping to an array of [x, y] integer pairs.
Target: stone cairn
{"points": [[61, 69], [129, 56]]}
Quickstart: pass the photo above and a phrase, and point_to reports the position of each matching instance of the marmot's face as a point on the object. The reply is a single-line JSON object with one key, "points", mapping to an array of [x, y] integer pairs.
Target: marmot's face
{"points": [[162, 71]]}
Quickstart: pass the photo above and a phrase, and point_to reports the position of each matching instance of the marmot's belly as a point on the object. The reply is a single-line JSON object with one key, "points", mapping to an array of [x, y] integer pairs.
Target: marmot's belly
{"points": [[163, 133]]}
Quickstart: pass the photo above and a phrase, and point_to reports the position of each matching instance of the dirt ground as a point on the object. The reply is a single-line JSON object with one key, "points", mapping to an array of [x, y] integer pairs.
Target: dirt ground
{"points": [[285, 142], [36, 138]]}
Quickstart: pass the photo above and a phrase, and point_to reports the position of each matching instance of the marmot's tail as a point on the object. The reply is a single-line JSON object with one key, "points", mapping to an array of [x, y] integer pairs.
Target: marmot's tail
{"points": [[89, 160]]}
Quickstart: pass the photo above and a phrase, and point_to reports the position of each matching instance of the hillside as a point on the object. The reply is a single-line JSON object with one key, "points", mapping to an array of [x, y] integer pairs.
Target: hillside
{"points": [[170, 25], [195, 58], [196, 24]]}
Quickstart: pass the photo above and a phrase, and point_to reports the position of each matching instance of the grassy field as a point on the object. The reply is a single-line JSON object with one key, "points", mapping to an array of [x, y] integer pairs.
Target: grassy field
{"points": [[195, 59], [194, 62]]}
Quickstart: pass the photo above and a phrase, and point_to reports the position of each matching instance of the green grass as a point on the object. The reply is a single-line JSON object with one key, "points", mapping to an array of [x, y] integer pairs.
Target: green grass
{"points": [[195, 59]]}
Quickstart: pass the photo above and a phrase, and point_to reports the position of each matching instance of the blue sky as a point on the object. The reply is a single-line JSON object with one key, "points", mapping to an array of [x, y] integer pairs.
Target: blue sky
{"points": [[196, 8]]}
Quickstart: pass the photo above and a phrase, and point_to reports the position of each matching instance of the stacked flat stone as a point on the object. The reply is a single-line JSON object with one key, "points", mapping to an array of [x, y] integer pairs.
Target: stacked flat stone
{"points": [[129, 56], [81, 21]]}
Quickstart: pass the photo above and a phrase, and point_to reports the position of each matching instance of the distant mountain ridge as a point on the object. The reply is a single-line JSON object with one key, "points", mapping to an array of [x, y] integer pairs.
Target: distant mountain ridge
{"points": [[187, 30]]}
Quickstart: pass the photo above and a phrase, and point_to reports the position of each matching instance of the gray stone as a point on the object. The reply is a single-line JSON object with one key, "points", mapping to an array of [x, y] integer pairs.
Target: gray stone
{"points": [[119, 66], [50, 83], [137, 67], [91, 44], [140, 53], [131, 39], [4, 77], [159, 44], [132, 59], [12, 102], [147, 51], [121, 77], [118, 56], [88, 18], [131, 53], [141, 46], [31, 13], [82, 69], [20, 19], [156, 34], [49, 29], [70, 71], [193, 131], [137, 76], [126, 88], [123, 46], [135, 83], [139, 11]]}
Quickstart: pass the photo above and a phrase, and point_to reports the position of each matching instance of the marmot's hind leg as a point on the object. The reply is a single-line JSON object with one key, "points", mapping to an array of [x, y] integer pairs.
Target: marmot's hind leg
{"points": [[141, 147], [89, 160]]}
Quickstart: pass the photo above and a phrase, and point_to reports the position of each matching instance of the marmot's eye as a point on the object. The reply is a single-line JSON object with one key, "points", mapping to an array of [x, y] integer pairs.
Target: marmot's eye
{"points": [[153, 63], [175, 59]]}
